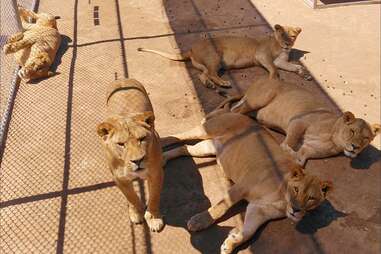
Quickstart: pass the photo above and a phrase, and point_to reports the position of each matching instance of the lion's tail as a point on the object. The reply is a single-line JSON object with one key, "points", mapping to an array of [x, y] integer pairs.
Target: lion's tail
{"points": [[174, 57]]}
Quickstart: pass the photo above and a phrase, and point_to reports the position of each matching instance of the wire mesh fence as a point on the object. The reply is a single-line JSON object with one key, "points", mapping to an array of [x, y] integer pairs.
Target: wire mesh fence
{"points": [[9, 24], [56, 192]]}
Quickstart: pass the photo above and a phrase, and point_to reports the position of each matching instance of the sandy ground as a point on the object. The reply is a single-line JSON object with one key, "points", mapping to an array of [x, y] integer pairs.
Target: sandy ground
{"points": [[58, 196]]}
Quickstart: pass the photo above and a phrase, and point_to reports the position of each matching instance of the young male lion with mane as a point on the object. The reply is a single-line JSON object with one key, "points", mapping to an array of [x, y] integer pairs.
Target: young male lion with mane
{"points": [[313, 129], [35, 48], [228, 52], [132, 148], [262, 174]]}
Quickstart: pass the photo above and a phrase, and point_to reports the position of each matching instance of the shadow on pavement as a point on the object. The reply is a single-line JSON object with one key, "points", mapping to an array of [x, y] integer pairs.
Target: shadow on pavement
{"points": [[182, 197]]}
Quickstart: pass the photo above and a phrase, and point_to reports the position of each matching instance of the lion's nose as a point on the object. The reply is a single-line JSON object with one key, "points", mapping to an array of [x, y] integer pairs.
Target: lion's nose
{"points": [[138, 162], [354, 147], [295, 210]]}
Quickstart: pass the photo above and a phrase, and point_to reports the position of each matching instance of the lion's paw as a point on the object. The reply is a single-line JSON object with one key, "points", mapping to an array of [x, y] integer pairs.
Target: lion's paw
{"points": [[210, 84], [154, 224], [226, 248], [7, 48], [135, 216], [234, 239], [200, 221], [226, 83]]}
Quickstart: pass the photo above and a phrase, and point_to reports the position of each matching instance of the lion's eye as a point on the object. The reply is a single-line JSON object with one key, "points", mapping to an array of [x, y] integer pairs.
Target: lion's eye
{"points": [[352, 133], [296, 190], [120, 144]]}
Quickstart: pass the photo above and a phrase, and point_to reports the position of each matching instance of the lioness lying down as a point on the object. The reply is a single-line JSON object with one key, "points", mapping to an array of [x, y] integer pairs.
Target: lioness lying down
{"points": [[313, 129], [262, 174], [227, 52], [35, 48], [132, 148]]}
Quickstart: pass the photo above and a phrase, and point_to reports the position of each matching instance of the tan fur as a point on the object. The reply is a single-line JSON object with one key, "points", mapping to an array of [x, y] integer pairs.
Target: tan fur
{"points": [[262, 174], [35, 48], [313, 130], [132, 148], [228, 52]]}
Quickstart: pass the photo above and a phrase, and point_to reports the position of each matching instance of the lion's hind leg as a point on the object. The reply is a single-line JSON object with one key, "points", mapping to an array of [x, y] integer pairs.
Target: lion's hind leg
{"points": [[193, 134], [204, 76], [36, 67], [204, 148], [26, 14]]}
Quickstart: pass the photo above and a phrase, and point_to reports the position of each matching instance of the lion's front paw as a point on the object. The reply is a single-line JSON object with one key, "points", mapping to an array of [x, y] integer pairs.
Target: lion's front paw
{"points": [[210, 84], [226, 248], [226, 83], [154, 224], [23, 73], [135, 216], [8, 48], [234, 239], [200, 221]]}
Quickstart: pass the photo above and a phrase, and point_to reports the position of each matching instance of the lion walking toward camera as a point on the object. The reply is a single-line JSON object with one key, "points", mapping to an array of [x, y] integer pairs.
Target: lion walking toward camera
{"points": [[35, 48], [132, 148]]}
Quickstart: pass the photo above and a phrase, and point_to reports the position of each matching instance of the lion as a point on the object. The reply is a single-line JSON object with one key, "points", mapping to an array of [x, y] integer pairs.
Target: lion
{"points": [[132, 148], [313, 129], [227, 52], [260, 172], [35, 48]]}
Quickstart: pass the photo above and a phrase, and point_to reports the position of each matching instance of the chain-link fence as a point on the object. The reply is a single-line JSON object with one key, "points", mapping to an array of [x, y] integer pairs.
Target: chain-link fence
{"points": [[56, 193], [9, 24]]}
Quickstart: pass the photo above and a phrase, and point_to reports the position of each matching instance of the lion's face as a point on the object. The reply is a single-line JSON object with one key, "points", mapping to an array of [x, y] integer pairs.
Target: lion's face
{"points": [[304, 193], [354, 134], [126, 140], [286, 35]]}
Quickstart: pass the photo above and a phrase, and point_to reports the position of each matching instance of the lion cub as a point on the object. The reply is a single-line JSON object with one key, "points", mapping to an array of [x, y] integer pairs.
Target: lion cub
{"points": [[35, 48], [313, 129], [132, 148], [262, 174], [209, 56]]}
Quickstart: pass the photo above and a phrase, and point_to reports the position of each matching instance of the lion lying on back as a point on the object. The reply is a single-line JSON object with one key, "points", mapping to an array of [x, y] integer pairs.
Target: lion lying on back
{"points": [[313, 129], [262, 173], [209, 56], [35, 48]]}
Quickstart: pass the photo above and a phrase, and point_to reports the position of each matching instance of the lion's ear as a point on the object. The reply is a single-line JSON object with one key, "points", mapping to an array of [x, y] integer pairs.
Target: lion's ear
{"points": [[376, 129], [297, 173], [348, 117], [298, 30], [278, 27], [326, 187], [104, 129], [147, 117]]}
